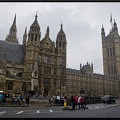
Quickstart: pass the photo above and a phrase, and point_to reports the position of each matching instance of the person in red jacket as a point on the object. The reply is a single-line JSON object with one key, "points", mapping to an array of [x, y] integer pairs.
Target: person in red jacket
{"points": [[76, 101], [82, 102]]}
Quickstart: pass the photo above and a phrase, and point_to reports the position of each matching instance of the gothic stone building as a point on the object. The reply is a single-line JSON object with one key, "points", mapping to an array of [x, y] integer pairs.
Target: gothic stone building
{"points": [[39, 65]]}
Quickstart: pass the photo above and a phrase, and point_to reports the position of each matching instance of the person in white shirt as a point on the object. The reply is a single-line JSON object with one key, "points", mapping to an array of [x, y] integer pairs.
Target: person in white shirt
{"points": [[79, 104], [58, 100]]}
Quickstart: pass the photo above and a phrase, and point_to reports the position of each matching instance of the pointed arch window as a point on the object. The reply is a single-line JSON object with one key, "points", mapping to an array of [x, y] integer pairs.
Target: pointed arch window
{"points": [[109, 70], [115, 69], [19, 74], [31, 37], [63, 45], [60, 45], [108, 52], [36, 37], [40, 58], [46, 59], [46, 82], [23, 87], [113, 51], [35, 73], [8, 73], [10, 86]]}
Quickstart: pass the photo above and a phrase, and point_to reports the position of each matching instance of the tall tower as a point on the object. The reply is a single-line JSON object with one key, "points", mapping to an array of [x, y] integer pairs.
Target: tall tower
{"points": [[61, 47], [12, 37], [32, 53], [111, 50]]}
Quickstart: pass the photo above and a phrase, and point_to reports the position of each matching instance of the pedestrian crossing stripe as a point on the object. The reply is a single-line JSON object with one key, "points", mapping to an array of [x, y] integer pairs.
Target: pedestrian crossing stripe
{"points": [[19, 112], [2, 112], [51, 111], [38, 111]]}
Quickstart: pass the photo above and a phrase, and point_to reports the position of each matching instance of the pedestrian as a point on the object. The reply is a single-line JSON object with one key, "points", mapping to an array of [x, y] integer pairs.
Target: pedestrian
{"points": [[21, 98], [73, 102], [1, 97], [82, 102], [79, 102], [76, 101], [27, 98], [18, 100], [58, 100], [85, 102], [4, 98], [50, 100], [13, 98]]}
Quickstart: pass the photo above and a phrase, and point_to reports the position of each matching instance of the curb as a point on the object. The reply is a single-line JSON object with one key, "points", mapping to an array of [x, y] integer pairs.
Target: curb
{"points": [[14, 106], [68, 108]]}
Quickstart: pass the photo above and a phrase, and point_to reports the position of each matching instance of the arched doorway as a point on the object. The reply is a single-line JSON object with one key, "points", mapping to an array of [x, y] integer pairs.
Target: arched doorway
{"points": [[46, 92]]}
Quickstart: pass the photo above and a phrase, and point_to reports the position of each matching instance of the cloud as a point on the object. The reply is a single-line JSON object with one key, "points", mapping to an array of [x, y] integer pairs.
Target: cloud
{"points": [[82, 22]]}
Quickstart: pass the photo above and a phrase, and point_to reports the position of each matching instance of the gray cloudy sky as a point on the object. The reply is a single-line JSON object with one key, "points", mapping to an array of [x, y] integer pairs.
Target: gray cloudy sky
{"points": [[82, 22]]}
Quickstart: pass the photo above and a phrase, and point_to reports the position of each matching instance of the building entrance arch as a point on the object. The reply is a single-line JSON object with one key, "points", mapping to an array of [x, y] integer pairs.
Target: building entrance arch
{"points": [[46, 92]]}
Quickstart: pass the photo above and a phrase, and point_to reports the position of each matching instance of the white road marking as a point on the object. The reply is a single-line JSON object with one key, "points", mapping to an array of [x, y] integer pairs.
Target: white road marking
{"points": [[19, 112], [38, 111], [3, 112], [96, 107], [51, 111]]}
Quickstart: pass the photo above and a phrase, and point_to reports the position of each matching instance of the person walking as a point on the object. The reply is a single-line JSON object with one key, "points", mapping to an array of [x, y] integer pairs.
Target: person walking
{"points": [[13, 98], [82, 102], [21, 98], [73, 102], [1, 97], [18, 100], [79, 102], [4, 98], [85, 102], [76, 101], [27, 99]]}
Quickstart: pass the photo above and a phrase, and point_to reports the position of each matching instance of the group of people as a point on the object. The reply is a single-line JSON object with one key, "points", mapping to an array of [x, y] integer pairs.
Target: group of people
{"points": [[3, 97], [19, 99], [78, 102]]}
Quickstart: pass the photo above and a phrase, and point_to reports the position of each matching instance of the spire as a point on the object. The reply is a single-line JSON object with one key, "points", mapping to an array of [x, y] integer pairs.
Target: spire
{"points": [[115, 26], [61, 25], [25, 36], [47, 32], [14, 22], [36, 17], [25, 31], [102, 31], [111, 20], [12, 37], [35, 23], [61, 32]]}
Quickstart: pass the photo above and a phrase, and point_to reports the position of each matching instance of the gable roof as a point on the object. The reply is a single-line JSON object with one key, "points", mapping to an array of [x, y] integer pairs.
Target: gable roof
{"points": [[11, 51]]}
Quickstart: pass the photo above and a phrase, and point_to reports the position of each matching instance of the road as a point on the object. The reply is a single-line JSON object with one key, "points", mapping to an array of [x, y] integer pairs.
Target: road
{"points": [[94, 111]]}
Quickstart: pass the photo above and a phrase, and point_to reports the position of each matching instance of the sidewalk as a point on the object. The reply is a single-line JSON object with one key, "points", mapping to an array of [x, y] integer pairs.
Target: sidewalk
{"points": [[33, 102], [39, 102]]}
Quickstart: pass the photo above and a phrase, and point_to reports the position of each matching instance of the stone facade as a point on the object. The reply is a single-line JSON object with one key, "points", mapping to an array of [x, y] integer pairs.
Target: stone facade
{"points": [[39, 65]]}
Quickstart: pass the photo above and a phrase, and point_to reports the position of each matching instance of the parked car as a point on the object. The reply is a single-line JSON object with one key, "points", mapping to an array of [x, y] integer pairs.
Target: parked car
{"points": [[109, 99]]}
